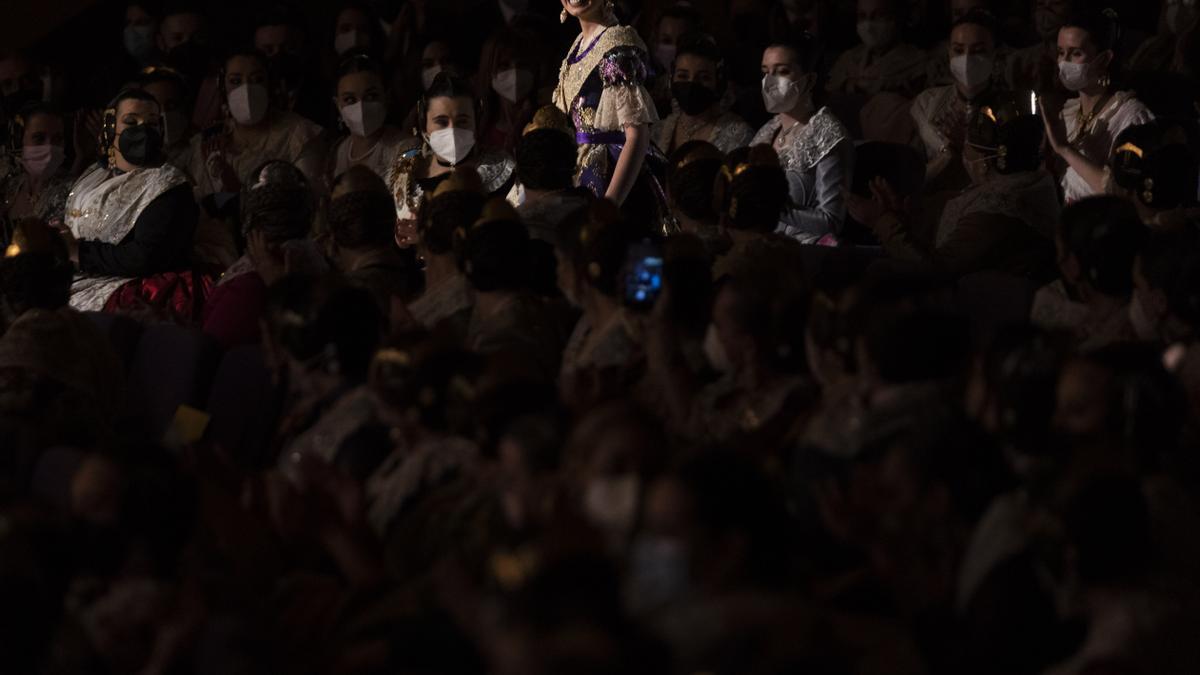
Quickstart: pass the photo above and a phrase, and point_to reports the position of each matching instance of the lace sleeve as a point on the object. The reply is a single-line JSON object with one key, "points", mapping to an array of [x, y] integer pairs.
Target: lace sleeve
{"points": [[624, 101]]}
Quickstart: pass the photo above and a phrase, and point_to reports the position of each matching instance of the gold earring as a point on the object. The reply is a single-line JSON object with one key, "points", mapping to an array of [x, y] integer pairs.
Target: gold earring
{"points": [[112, 157], [562, 16], [1104, 81]]}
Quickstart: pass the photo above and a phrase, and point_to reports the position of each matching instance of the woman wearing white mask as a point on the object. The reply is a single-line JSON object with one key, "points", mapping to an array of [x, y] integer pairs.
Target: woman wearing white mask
{"points": [[449, 115], [253, 133], [1082, 134], [38, 187], [508, 78], [942, 114], [814, 148], [368, 141], [356, 29], [882, 63]]}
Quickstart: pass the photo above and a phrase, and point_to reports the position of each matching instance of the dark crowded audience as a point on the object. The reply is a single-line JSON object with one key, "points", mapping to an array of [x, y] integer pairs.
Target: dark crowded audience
{"points": [[600, 336]]}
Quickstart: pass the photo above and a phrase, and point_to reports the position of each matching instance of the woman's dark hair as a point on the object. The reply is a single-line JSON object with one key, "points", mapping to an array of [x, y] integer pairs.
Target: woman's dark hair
{"points": [[1104, 235], [157, 74], [754, 191], [278, 202], [980, 17], [444, 215], [1103, 28], [249, 53], [357, 62], [365, 216], [775, 314], [691, 185], [705, 46], [546, 160], [496, 256], [597, 241], [446, 85]]}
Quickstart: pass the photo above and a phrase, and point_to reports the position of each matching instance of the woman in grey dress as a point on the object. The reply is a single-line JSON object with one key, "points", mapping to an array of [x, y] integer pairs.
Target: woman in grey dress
{"points": [[814, 148]]}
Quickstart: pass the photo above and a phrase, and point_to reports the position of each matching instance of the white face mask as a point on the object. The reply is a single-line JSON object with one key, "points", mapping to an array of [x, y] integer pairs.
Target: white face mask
{"points": [[513, 84], [665, 54], [714, 351], [780, 94], [611, 503], [1075, 76], [452, 145], [42, 160], [877, 33], [344, 42], [248, 104], [972, 71], [427, 76], [175, 126], [365, 117]]}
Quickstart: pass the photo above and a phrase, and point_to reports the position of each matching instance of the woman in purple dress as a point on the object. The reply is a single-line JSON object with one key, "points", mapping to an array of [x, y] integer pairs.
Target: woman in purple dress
{"points": [[601, 87]]}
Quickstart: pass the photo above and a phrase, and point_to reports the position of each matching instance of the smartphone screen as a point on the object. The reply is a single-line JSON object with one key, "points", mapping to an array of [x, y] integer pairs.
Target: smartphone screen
{"points": [[643, 276]]}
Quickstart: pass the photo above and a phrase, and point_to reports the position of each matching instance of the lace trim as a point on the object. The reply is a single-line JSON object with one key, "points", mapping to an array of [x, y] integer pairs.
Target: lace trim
{"points": [[624, 106], [572, 76], [810, 146]]}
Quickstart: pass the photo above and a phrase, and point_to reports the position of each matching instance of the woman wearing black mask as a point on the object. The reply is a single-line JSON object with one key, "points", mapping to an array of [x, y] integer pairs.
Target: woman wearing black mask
{"points": [[131, 216], [698, 83]]}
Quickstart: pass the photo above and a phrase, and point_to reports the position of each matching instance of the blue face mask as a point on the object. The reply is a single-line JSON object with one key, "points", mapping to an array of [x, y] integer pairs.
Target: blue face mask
{"points": [[139, 42]]}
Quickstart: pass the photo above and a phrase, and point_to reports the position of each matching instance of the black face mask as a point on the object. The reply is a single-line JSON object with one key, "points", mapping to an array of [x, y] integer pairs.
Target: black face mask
{"points": [[693, 97], [141, 145]]}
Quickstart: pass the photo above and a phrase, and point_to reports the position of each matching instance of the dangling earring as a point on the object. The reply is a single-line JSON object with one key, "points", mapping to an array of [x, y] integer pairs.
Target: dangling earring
{"points": [[611, 8], [112, 157], [1104, 81], [562, 16]]}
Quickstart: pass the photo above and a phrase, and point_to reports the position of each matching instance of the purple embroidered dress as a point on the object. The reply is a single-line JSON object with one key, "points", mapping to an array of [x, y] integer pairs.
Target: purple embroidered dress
{"points": [[601, 88]]}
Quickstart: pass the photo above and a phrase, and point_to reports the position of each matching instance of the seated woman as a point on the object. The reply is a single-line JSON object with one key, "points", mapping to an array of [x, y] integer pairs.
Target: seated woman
{"points": [[698, 84], [362, 223], [132, 216], [277, 214], [508, 71], [592, 251], [449, 114], [453, 207], [171, 91], [814, 148], [368, 141], [1004, 222], [508, 319], [755, 341], [942, 113], [1083, 133], [38, 187], [254, 133]]}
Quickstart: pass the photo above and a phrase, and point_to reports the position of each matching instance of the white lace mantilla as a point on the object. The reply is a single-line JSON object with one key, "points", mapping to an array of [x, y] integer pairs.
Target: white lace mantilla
{"points": [[810, 145], [104, 207]]}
